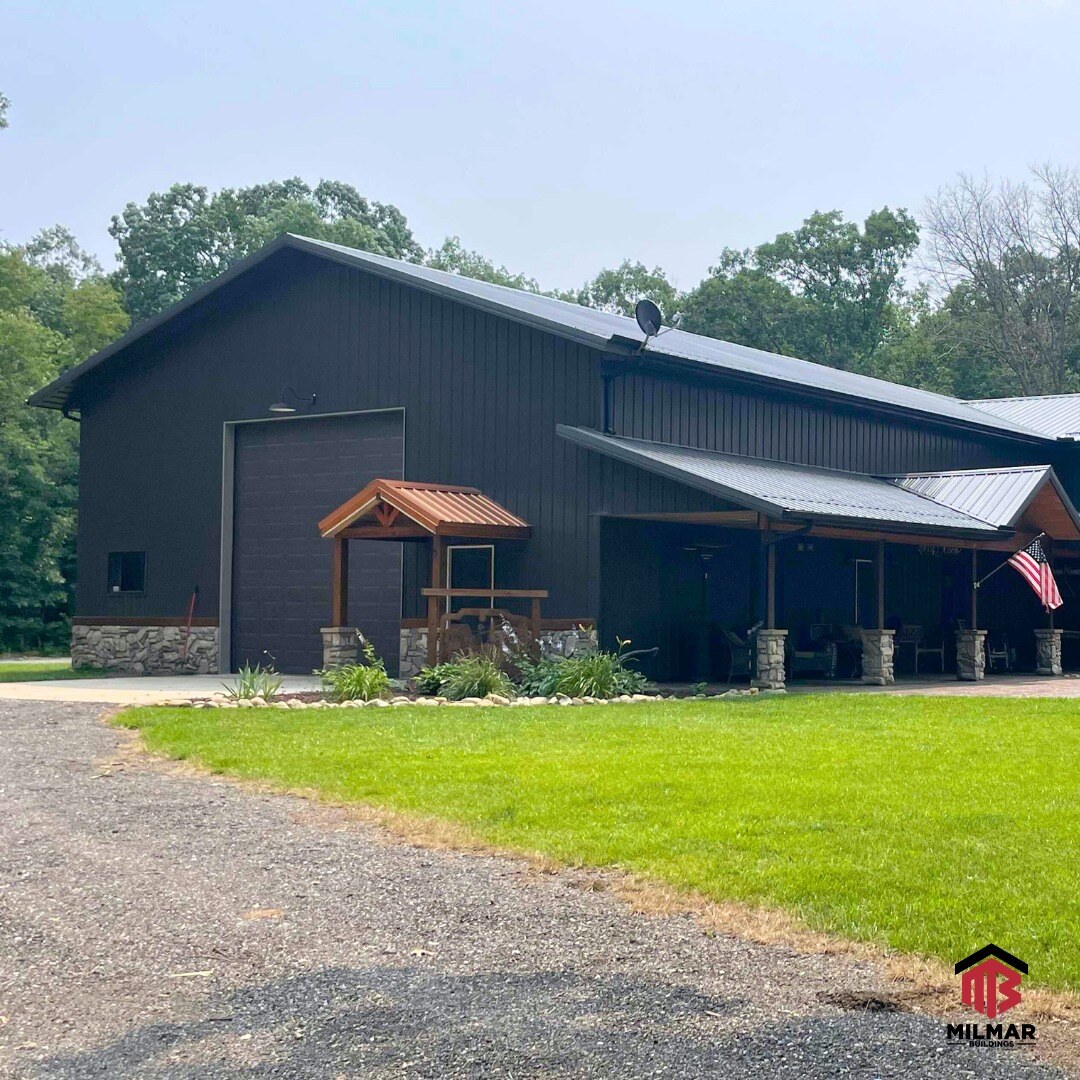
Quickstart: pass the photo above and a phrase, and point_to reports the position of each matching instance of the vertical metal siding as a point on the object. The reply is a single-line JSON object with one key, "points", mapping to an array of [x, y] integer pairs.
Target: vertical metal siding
{"points": [[482, 396]]}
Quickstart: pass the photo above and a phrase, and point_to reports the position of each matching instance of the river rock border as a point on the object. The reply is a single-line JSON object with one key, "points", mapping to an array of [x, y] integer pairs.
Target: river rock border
{"points": [[223, 701]]}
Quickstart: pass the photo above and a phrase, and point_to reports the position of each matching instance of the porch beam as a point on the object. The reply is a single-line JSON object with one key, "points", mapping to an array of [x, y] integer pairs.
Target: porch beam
{"points": [[383, 532]]}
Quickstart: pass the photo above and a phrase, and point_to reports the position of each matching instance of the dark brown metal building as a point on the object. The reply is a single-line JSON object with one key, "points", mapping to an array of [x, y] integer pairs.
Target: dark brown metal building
{"points": [[677, 490]]}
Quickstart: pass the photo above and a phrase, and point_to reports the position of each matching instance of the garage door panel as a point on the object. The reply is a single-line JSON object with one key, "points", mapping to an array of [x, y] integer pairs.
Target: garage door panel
{"points": [[288, 475]]}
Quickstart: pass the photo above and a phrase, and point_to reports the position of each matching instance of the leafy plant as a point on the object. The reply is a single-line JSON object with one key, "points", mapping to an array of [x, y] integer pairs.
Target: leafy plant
{"points": [[598, 674], [358, 682], [251, 682], [540, 678], [430, 679], [474, 675]]}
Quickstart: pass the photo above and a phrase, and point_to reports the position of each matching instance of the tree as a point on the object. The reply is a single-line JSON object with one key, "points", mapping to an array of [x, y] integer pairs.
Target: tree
{"points": [[5, 104], [55, 308], [455, 259], [1007, 257], [825, 292], [184, 237], [618, 290]]}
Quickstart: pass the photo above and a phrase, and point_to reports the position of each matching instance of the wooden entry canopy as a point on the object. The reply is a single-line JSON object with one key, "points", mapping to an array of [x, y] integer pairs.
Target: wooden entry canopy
{"points": [[407, 510]]}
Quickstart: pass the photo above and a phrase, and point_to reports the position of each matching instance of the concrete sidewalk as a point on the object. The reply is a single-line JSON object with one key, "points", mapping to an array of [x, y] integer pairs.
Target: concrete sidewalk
{"points": [[148, 689], [137, 689]]}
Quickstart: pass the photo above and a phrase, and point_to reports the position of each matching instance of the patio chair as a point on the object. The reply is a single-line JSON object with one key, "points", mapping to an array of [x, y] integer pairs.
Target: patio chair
{"points": [[740, 656], [908, 637], [923, 649], [998, 654], [816, 657]]}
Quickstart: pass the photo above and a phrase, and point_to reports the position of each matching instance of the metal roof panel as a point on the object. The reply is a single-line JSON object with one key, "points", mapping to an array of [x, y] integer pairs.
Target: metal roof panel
{"points": [[780, 488], [1056, 416], [601, 329]]}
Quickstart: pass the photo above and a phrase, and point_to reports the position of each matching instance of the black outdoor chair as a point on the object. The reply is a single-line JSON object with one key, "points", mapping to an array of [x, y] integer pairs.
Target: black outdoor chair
{"points": [[740, 656]]}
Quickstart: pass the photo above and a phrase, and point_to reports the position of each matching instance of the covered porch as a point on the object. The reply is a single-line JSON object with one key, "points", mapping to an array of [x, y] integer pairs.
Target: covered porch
{"points": [[445, 518], [806, 574]]}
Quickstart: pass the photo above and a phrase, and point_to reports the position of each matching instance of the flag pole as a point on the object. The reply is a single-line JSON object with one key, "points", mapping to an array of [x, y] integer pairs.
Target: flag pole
{"points": [[1006, 562]]}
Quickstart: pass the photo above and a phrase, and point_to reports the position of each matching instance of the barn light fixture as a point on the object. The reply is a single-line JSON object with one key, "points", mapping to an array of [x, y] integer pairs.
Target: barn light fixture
{"points": [[283, 406]]}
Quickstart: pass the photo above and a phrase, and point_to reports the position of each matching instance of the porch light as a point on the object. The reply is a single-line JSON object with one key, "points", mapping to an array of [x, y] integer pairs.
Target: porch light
{"points": [[283, 406]]}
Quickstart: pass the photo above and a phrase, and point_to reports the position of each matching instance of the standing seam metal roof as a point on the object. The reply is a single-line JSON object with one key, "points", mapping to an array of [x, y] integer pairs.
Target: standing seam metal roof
{"points": [[996, 496], [980, 501], [1056, 416], [600, 329]]}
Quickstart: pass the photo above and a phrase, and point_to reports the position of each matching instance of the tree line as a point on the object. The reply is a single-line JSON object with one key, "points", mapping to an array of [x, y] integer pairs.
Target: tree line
{"points": [[977, 299]]}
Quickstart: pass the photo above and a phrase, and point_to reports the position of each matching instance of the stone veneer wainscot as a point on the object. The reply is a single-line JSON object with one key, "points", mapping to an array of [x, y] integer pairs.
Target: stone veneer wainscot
{"points": [[146, 650]]}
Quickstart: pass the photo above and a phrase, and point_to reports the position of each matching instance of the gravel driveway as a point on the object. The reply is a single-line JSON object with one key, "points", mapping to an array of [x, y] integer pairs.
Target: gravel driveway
{"points": [[159, 924]]}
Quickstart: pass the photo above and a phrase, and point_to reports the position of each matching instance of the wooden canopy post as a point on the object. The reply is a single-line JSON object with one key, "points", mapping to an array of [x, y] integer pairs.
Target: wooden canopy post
{"points": [[437, 552], [881, 585], [974, 588], [770, 586], [339, 582]]}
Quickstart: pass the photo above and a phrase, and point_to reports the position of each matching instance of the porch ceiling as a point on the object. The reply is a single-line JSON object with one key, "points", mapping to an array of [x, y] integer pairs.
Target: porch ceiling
{"points": [[984, 504]]}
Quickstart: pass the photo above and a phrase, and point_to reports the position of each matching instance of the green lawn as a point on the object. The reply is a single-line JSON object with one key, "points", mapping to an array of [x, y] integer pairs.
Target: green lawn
{"points": [[33, 670], [932, 824]]}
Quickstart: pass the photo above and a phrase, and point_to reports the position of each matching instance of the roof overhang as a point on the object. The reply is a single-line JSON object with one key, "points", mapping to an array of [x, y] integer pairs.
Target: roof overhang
{"points": [[961, 505], [409, 510]]}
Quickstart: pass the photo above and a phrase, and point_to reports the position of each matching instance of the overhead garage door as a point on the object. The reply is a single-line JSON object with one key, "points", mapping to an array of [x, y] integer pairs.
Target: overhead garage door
{"points": [[287, 475]]}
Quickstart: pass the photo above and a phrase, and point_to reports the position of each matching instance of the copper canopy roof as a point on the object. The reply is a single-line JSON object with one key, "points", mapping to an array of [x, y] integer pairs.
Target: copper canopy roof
{"points": [[440, 509]]}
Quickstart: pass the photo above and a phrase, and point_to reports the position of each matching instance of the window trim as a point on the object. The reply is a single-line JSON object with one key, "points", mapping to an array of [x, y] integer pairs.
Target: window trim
{"points": [[109, 591], [450, 548]]}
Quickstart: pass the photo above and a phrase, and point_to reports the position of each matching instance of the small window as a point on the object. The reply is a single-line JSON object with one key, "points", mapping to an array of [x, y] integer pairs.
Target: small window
{"points": [[127, 571]]}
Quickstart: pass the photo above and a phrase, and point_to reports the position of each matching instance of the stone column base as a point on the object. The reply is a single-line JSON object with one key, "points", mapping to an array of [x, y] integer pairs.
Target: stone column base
{"points": [[1047, 652], [770, 659], [970, 655], [412, 651], [340, 646], [877, 657]]}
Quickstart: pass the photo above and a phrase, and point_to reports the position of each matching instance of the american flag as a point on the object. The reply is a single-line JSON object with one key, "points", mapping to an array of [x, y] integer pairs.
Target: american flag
{"points": [[1035, 570]]}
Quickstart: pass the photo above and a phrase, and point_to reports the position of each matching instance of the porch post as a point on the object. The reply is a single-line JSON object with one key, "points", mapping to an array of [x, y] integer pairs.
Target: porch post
{"points": [[1048, 641], [881, 585], [971, 643], [437, 550], [878, 646], [974, 588], [770, 641], [340, 644], [770, 586], [339, 582]]}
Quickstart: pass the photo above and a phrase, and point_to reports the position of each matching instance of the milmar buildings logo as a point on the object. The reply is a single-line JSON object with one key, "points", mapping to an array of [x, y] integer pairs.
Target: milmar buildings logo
{"points": [[990, 984]]}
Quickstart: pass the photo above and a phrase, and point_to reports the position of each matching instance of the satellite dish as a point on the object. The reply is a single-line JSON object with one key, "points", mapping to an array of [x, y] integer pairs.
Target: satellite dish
{"points": [[648, 317]]}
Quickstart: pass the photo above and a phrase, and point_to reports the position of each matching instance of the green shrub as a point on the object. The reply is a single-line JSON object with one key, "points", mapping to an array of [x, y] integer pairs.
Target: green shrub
{"points": [[540, 678], [474, 675], [358, 682], [430, 679], [257, 681], [597, 674]]}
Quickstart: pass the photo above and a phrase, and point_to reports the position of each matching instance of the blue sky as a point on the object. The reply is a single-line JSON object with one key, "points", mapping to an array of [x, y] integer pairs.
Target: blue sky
{"points": [[556, 138]]}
